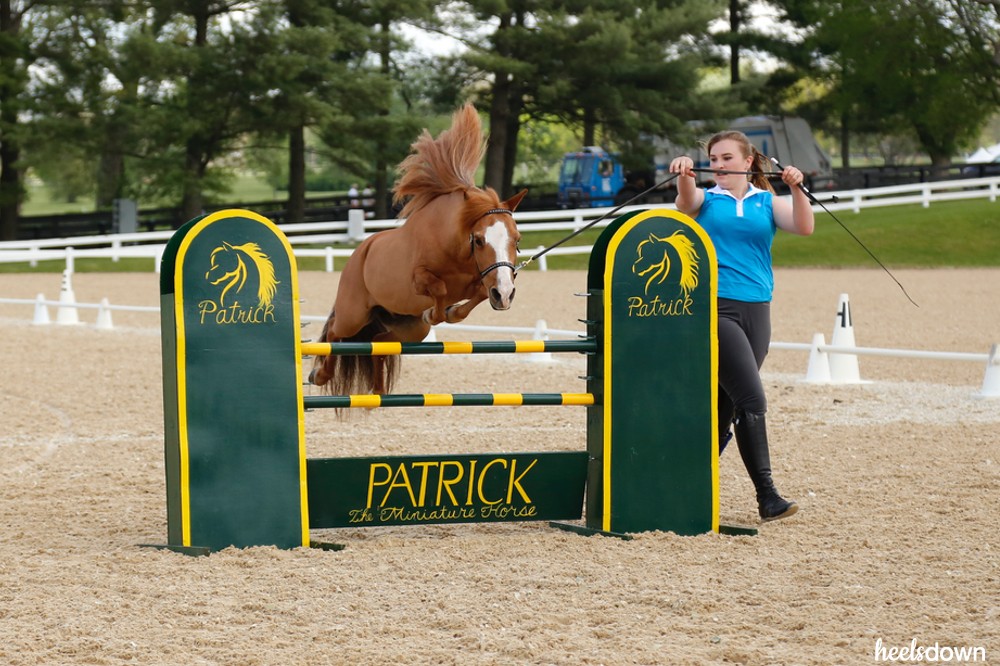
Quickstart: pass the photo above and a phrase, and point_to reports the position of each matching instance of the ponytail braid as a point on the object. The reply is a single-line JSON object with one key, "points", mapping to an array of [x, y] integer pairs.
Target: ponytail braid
{"points": [[760, 167]]}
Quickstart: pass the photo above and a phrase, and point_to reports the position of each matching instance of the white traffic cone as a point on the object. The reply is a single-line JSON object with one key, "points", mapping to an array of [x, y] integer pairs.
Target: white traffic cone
{"points": [[991, 381], [540, 334], [844, 367], [67, 314], [104, 315], [818, 371], [41, 312]]}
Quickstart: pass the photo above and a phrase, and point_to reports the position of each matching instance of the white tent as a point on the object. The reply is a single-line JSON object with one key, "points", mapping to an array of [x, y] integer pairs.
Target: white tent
{"points": [[984, 155]]}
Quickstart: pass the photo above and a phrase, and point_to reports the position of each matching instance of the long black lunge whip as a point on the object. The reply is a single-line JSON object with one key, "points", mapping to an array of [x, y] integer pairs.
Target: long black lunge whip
{"points": [[851, 233], [590, 224]]}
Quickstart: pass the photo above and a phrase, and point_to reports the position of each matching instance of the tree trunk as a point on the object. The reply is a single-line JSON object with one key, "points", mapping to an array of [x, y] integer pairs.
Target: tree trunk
{"points": [[381, 190], [510, 149], [381, 182], [496, 147], [589, 128], [296, 175], [192, 203], [845, 142], [939, 165], [10, 189], [110, 177], [734, 46], [111, 165], [195, 160], [10, 151]]}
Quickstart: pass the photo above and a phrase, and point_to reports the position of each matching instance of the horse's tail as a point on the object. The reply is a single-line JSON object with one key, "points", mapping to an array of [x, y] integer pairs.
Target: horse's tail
{"points": [[443, 165], [344, 375]]}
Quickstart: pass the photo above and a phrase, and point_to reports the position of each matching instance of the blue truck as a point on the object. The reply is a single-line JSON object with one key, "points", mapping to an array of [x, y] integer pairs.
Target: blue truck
{"points": [[593, 177], [590, 178]]}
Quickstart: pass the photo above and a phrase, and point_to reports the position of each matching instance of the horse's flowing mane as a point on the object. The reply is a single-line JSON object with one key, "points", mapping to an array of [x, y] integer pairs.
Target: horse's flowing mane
{"points": [[443, 165]]}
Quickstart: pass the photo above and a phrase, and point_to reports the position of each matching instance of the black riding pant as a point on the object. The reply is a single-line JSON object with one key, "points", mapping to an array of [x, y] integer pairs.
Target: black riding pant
{"points": [[744, 337]]}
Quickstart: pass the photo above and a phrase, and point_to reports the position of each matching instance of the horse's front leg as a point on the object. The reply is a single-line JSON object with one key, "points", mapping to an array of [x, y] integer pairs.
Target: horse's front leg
{"points": [[459, 311], [426, 283]]}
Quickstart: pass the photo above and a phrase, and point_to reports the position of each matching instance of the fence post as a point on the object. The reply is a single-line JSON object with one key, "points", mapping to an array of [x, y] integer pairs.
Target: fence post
{"points": [[355, 225]]}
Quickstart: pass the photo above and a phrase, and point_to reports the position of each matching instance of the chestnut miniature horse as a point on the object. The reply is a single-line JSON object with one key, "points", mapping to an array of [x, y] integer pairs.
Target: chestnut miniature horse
{"points": [[455, 249]]}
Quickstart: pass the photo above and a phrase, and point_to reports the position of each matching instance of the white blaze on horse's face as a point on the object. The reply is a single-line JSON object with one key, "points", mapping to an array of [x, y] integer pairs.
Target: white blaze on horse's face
{"points": [[500, 280]]}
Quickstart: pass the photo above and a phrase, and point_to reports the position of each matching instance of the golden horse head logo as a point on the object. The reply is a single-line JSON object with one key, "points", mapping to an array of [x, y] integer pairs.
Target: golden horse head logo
{"points": [[229, 267], [653, 260]]}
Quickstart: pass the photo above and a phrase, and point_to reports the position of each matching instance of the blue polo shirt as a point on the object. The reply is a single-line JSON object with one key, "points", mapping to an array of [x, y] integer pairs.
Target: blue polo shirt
{"points": [[742, 232]]}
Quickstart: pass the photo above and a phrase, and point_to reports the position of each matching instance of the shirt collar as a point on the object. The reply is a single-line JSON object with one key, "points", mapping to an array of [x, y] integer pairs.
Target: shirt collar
{"points": [[751, 190]]}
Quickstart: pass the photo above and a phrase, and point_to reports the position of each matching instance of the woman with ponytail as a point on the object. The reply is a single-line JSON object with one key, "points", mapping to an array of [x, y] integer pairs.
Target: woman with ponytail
{"points": [[741, 215]]}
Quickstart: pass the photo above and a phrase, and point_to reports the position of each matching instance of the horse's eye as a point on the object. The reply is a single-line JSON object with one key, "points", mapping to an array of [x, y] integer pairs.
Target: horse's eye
{"points": [[479, 241]]}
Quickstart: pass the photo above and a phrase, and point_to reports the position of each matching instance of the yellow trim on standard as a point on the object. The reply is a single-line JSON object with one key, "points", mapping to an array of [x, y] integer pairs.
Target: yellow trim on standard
{"points": [[185, 474], [609, 333], [609, 270]]}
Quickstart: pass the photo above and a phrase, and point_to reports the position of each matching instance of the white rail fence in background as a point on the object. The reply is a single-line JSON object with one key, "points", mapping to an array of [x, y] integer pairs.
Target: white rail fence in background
{"points": [[835, 363], [151, 244]]}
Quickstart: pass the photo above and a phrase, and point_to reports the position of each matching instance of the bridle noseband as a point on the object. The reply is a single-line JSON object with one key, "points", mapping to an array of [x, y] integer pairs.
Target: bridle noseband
{"points": [[472, 245]]}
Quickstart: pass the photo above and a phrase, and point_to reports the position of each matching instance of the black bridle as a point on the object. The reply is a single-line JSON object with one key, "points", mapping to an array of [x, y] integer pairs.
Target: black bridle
{"points": [[472, 246]]}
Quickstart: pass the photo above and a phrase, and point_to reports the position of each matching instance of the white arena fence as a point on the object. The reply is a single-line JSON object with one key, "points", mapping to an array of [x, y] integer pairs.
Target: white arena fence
{"points": [[151, 244], [835, 363]]}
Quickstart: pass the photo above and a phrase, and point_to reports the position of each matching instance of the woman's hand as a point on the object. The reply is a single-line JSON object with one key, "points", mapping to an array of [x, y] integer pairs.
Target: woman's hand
{"points": [[792, 177], [682, 165], [797, 217], [689, 197]]}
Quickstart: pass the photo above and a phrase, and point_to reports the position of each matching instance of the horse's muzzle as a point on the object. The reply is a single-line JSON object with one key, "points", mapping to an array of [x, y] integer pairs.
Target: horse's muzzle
{"points": [[497, 300]]}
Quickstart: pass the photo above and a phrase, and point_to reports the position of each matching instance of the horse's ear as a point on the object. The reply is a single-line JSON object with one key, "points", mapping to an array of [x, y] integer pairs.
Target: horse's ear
{"points": [[652, 238], [511, 204], [227, 245]]}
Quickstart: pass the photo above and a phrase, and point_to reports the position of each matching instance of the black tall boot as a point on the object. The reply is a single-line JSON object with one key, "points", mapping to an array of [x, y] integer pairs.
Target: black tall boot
{"points": [[751, 438]]}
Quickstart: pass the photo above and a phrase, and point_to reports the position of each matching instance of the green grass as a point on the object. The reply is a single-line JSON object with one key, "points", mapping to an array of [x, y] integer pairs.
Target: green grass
{"points": [[948, 234], [952, 234]]}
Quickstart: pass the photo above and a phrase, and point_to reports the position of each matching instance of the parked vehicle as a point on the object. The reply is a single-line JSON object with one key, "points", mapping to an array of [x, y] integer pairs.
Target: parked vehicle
{"points": [[593, 177], [590, 178]]}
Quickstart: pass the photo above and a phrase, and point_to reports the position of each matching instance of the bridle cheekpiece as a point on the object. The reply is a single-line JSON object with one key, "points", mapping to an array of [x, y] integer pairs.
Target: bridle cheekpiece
{"points": [[472, 244]]}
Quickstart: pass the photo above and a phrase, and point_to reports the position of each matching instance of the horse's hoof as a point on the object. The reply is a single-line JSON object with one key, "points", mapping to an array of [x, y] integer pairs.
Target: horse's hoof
{"points": [[312, 376]]}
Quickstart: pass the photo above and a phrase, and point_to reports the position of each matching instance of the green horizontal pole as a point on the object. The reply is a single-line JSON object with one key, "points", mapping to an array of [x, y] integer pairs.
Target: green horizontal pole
{"points": [[479, 347], [446, 400]]}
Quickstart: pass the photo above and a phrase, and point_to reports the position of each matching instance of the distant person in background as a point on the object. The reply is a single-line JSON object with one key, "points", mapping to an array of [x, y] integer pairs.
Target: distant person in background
{"points": [[368, 200], [741, 215], [352, 196]]}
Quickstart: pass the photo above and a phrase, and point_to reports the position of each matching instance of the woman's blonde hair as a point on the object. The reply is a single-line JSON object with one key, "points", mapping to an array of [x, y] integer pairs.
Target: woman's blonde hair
{"points": [[759, 167]]}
